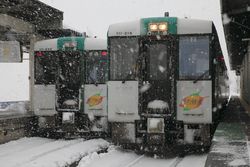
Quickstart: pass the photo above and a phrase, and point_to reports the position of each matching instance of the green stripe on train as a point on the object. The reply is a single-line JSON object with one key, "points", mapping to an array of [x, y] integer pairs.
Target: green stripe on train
{"points": [[79, 40], [172, 24]]}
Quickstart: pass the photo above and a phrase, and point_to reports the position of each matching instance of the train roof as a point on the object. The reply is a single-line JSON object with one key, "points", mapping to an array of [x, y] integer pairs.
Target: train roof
{"points": [[95, 44], [175, 26], [79, 43]]}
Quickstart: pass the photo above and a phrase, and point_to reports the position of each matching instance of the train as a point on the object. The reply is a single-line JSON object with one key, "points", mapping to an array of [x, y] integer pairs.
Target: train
{"points": [[165, 82], [70, 91], [154, 83]]}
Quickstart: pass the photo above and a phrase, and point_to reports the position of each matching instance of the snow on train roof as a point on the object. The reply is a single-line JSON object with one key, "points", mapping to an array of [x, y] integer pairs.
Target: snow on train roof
{"points": [[132, 28], [194, 26], [89, 44], [95, 44], [184, 26]]}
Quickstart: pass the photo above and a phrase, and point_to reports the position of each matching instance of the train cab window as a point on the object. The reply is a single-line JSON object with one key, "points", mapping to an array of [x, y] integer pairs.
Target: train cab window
{"points": [[158, 61], [45, 67], [123, 58], [194, 57], [69, 67], [96, 67]]}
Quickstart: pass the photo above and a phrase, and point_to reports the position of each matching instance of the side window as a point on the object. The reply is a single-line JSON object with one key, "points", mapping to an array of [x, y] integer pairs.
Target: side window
{"points": [[96, 67], [124, 53], [45, 67], [193, 57]]}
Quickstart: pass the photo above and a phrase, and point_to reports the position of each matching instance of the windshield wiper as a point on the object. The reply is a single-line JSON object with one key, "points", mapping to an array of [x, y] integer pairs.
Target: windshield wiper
{"points": [[201, 76], [127, 77], [92, 79]]}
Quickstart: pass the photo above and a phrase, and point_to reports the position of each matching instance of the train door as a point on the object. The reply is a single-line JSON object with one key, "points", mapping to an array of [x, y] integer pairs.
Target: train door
{"points": [[68, 81], [156, 100], [44, 87]]}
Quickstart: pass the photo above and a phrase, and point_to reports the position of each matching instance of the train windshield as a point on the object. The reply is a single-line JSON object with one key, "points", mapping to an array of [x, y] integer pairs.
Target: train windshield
{"points": [[194, 57], [158, 61], [69, 65], [123, 58], [96, 67], [68, 82], [45, 67]]}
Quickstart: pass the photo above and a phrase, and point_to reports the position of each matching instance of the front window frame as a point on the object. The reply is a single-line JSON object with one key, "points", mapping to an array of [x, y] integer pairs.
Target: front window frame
{"points": [[101, 59], [127, 76], [41, 78], [208, 72], [148, 60]]}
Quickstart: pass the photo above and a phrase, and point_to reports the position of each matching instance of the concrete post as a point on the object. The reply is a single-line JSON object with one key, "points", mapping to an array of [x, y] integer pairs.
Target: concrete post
{"points": [[33, 39]]}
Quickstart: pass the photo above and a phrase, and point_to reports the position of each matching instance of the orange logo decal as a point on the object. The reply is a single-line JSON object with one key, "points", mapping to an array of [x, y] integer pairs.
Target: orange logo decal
{"points": [[192, 102], [94, 100]]}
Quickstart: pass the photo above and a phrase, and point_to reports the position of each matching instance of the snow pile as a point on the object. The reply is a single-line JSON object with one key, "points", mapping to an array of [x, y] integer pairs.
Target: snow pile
{"points": [[158, 104], [113, 158], [39, 152], [116, 158], [70, 102]]}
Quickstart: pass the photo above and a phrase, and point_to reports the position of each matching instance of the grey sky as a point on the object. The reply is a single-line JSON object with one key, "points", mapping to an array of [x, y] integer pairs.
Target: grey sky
{"points": [[94, 16]]}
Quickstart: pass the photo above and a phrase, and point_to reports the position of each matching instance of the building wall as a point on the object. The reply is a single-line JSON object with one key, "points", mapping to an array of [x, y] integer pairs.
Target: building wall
{"points": [[245, 77]]}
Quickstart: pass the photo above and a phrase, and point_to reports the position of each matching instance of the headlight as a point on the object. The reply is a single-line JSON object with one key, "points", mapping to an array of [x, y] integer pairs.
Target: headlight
{"points": [[153, 27], [163, 26], [155, 125], [68, 117]]}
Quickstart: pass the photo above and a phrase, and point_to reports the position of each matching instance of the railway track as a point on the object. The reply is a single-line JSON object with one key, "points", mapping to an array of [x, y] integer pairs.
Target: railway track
{"points": [[176, 162], [131, 164], [135, 162]]}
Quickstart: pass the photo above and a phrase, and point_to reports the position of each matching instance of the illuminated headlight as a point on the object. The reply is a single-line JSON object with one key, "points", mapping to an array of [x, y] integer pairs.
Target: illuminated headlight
{"points": [[155, 125], [71, 44], [163, 26], [68, 117], [153, 27]]}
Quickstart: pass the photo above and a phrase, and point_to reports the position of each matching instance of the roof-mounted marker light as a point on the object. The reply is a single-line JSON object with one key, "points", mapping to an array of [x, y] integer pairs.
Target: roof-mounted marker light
{"points": [[104, 53], [39, 54]]}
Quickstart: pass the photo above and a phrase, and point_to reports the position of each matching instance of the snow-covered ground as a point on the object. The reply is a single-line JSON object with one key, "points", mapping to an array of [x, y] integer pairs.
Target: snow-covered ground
{"points": [[42, 152], [120, 158]]}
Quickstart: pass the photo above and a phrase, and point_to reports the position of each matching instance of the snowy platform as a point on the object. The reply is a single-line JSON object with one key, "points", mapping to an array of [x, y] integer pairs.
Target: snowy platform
{"points": [[230, 146]]}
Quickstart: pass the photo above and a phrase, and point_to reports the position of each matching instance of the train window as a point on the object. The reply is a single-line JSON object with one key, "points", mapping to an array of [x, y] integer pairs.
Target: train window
{"points": [[96, 67], [123, 58], [194, 57], [69, 67], [45, 67], [158, 61]]}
